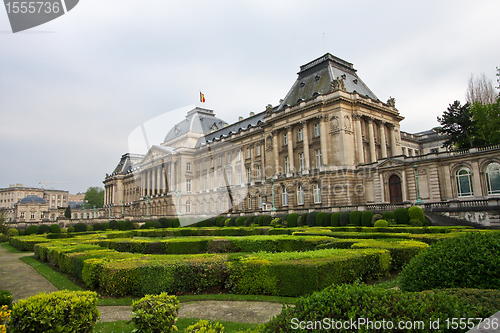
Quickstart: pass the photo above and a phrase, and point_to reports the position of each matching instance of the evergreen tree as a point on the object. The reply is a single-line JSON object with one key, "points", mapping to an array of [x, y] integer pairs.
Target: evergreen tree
{"points": [[67, 213], [458, 124]]}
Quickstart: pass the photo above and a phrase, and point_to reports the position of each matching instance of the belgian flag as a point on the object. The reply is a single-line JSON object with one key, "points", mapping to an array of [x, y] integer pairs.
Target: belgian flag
{"points": [[202, 97]]}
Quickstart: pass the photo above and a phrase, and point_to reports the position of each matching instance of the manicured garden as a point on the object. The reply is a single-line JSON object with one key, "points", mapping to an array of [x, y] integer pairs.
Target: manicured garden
{"points": [[324, 257]]}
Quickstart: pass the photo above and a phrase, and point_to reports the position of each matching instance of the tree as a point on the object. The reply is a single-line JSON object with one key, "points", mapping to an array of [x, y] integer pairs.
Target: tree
{"points": [[67, 213], [487, 118], [480, 90], [457, 123], [94, 197]]}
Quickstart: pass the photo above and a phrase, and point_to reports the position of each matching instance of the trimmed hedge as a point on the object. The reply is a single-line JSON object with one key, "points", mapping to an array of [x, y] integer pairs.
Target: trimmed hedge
{"points": [[344, 218], [32, 230], [291, 220], [61, 311], [416, 213], [355, 217], [335, 219], [155, 313], [402, 216], [348, 303], [381, 224], [366, 218], [311, 219], [299, 273], [55, 228]]}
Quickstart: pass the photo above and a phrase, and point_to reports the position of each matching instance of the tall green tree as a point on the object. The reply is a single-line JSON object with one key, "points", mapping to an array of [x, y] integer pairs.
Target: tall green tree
{"points": [[94, 197], [67, 213], [487, 118], [459, 126]]}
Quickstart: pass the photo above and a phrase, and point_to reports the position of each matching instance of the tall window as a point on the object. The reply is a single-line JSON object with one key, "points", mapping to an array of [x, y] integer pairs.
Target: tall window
{"points": [[239, 155], [287, 165], [493, 178], [300, 136], [188, 185], [317, 193], [302, 162], [259, 172], [300, 195], [318, 158], [285, 139], [32, 215], [240, 180], [213, 182], [249, 175], [229, 158], [260, 202], [188, 166], [284, 196], [229, 176], [317, 131], [258, 150], [188, 206], [464, 183]]}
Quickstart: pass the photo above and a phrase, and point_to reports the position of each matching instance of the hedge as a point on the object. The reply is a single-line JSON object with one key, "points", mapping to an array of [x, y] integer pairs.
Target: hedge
{"points": [[335, 220], [355, 217], [344, 218], [299, 273], [291, 220], [155, 313], [61, 311], [402, 216]]}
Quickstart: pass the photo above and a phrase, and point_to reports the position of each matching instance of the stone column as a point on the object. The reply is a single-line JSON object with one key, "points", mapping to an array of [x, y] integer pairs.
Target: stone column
{"points": [[383, 145], [291, 162], [158, 179], [382, 188], [404, 187], [359, 139], [371, 141], [476, 181], [306, 146], [276, 152], [324, 140]]}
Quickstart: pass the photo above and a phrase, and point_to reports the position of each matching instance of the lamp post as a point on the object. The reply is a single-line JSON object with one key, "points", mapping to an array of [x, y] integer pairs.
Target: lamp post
{"points": [[93, 212], [273, 208], [147, 204], [178, 195], [109, 210], [419, 199]]}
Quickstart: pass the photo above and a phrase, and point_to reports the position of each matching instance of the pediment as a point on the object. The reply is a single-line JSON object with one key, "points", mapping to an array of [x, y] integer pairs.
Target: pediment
{"points": [[154, 153], [390, 162]]}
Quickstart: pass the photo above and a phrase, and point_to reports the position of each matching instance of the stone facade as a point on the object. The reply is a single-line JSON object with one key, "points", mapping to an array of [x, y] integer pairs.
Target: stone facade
{"points": [[330, 143]]}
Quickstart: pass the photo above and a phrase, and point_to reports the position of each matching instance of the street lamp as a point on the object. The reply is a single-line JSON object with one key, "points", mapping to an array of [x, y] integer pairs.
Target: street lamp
{"points": [[148, 197], [178, 195], [419, 199], [273, 208]]}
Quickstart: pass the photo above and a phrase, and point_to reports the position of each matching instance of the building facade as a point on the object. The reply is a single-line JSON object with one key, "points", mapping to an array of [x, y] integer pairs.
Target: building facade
{"points": [[330, 143]]}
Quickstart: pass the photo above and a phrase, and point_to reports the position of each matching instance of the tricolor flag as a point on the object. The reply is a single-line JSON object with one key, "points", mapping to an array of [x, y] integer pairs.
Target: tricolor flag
{"points": [[202, 97]]}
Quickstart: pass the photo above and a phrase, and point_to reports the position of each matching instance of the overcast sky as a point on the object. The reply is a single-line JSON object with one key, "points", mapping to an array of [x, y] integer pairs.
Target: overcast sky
{"points": [[72, 90]]}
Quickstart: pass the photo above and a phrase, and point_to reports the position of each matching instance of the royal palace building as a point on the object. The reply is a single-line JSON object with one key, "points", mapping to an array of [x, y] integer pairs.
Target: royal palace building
{"points": [[329, 144]]}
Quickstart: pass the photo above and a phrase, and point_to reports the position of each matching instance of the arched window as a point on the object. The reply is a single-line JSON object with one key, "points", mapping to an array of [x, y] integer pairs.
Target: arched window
{"points": [[300, 195], [317, 193], [464, 184], [493, 178], [284, 197]]}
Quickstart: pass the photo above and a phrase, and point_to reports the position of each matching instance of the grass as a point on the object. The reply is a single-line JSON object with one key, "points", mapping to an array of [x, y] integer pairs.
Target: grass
{"points": [[59, 280], [10, 248], [182, 323]]}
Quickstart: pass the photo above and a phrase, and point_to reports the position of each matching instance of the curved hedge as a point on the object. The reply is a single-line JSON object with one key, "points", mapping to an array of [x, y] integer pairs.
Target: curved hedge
{"points": [[471, 260]]}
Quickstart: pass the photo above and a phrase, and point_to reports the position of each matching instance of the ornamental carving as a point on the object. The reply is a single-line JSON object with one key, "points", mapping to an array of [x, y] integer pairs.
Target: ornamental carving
{"points": [[347, 123], [338, 84], [269, 144], [334, 124], [391, 102]]}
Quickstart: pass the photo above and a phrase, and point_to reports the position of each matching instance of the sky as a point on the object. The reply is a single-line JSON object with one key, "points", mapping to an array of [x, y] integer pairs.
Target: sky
{"points": [[74, 89]]}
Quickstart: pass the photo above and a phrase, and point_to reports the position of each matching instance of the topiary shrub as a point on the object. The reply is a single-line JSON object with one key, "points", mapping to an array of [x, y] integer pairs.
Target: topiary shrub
{"points": [[43, 229], [12, 232], [291, 220], [105, 226], [320, 219], [311, 219], [230, 222], [97, 226], [415, 223], [375, 218], [389, 217], [355, 217], [249, 220], [71, 229], [55, 228], [90, 228], [155, 224], [129, 225], [240, 221], [176, 223], [366, 218], [402, 216], [328, 220], [113, 225], [205, 326], [381, 224], [416, 213], [61, 311], [135, 226], [80, 227], [471, 260], [302, 220], [6, 299], [335, 219], [155, 313], [266, 220], [220, 221], [344, 218], [123, 226], [340, 304], [164, 222], [32, 230], [276, 223]]}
